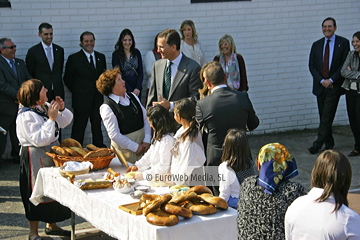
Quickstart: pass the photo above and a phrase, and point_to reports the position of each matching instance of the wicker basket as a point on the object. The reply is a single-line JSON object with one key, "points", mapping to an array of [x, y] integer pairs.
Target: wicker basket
{"points": [[99, 162]]}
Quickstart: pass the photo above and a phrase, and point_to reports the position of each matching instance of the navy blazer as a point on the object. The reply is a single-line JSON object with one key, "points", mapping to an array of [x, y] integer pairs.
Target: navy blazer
{"points": [[10, 84], [341, 48]]}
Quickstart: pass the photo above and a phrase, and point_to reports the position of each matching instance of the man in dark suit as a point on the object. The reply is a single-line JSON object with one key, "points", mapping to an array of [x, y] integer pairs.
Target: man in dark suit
{"points": [[13, 72], [174, 82], [45, 61], [326, 59], [222, 110], [81, 72]]}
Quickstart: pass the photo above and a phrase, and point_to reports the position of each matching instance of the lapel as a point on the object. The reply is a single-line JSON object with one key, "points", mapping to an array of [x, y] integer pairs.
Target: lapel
{"points": [[179, 75], [56, 54], [97, 62], [8, 68], [160, 80]]}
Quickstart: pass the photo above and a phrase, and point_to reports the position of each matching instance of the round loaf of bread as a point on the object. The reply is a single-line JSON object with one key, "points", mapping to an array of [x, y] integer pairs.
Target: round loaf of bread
{"points": [[162, 218], [183, 198], [199, 189], [203, 208], [156, 204], [177, 210], [217, 201]]}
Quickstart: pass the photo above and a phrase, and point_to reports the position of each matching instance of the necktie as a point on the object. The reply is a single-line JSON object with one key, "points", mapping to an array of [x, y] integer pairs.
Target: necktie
{"points": [[325, 67], [49, 57], [92, 62], [167, 80], [13, 67]]}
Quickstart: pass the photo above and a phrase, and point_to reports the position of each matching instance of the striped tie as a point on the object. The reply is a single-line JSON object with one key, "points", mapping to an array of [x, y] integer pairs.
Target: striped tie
{"points": [[167, 80]]}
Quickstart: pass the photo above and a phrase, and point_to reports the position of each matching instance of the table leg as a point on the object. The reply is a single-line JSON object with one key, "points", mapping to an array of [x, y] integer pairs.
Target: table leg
{"points": [[72, 225]]}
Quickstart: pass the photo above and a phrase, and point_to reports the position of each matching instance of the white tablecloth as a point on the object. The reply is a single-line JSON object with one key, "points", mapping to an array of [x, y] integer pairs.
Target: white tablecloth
{"points": [[100, 208]]}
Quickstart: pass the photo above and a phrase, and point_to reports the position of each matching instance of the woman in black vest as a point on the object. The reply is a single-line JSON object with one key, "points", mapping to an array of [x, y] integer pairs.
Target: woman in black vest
{"points": [[124, 117]]}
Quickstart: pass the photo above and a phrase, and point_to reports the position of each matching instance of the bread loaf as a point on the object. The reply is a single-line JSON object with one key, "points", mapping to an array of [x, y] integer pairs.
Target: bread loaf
{"points": [[92, 147], [156, 204], [217, 201], [177, 210], [71, 152], [79, 151], [69, 142], [203, 208], [101, 152], [162, 218], [59, 151], [199, 189]]}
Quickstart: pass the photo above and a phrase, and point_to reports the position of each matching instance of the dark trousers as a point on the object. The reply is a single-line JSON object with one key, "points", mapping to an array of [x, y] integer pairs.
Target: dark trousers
{"points": [[81, 117], [8, 122], [327, 105], [353, 110]]}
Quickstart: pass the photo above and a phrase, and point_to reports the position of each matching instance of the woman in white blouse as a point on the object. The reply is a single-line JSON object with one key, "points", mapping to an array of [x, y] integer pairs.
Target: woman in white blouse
{"points": [[188, 150], [190, 46], [157, 160], [324, 213], [37, 127], [124, 117]]}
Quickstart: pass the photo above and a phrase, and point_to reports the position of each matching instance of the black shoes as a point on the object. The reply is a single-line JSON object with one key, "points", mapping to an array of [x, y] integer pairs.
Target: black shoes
{"points": [[59, 232], [354, 153], [313, 149]]}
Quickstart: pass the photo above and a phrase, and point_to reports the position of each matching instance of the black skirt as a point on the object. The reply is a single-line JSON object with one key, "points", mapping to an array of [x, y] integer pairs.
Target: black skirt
{"points": [[31, 160]]}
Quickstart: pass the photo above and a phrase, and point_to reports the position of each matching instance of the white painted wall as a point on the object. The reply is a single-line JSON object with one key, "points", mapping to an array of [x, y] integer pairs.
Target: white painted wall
{"points": [[274, 37]]}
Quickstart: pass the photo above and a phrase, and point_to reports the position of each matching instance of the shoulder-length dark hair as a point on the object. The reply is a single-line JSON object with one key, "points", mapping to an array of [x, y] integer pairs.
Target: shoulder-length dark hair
{"points": [[161, 120], [29, 92], [332, 172], [119, 46], [186, 110], [236, 150]]}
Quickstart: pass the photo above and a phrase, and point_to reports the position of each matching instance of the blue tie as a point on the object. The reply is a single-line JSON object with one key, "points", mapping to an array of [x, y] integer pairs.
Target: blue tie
{"points": [[13, 67]]}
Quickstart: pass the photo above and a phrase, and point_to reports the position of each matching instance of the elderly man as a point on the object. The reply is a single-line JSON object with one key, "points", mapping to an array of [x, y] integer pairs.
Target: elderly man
{"points": [[81, 72], [13, 72], [326, 59]]}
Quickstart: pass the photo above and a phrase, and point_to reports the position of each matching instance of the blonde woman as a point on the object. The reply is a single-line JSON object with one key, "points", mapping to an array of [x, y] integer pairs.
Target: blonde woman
{"points": [[190, 46], [232, 63]]}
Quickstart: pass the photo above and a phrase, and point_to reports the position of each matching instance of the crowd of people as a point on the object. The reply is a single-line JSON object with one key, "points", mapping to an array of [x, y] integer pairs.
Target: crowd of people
{"points": [[196, 116]]}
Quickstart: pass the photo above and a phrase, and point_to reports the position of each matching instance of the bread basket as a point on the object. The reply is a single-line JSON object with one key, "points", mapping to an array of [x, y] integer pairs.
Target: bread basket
{"points": [[98, 163]]}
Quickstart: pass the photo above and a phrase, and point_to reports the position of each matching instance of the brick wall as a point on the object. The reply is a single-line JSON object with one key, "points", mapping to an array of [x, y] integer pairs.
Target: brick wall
{"points": [[274, 37]]}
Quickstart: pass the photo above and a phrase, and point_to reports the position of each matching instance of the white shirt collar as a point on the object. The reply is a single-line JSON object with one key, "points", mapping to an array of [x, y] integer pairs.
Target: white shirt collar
{"points": [[8, 61], [88, 54], [176, 61], [120, 99], [218, 86], [332, 39], [45, 46]]}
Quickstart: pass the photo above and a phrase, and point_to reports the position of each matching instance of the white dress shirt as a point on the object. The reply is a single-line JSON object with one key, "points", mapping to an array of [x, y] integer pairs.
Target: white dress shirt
{"points": [[157, 160], [112, 126], [189, 155], [51, 49], [88, 57], [308, 219], [229, 185]]}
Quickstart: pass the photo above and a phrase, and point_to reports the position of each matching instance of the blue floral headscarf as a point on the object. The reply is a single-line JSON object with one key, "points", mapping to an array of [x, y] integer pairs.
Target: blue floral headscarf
{"points": [[277, 165]]}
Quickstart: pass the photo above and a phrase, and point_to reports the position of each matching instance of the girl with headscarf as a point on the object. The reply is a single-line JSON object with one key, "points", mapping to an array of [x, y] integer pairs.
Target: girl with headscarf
{"points": [[264, 199]]}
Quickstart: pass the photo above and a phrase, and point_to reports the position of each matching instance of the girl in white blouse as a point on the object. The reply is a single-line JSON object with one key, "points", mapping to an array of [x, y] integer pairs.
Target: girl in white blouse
{"points": [[235, 167], [188, 150], [190, 46], [156, 161]]}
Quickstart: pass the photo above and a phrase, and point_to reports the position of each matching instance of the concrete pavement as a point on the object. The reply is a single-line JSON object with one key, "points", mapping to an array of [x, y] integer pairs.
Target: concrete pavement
{"points": [[13, 224]]}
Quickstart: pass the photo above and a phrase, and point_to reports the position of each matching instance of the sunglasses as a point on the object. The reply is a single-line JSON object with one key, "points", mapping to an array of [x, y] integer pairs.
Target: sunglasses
{"points": [[11, 47]]}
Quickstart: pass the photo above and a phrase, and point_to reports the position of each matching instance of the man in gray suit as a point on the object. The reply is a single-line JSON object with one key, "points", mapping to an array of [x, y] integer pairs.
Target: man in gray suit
{"points": [[222, 110], [12, 73], [175, 76]]}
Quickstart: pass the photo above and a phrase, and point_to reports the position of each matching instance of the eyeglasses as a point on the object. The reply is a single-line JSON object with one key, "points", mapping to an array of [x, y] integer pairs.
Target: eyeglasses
{"points": [[11, 47]]}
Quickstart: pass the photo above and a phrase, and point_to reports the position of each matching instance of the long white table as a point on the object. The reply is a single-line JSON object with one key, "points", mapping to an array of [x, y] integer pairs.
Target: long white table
{"points": [[100, 208]]}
